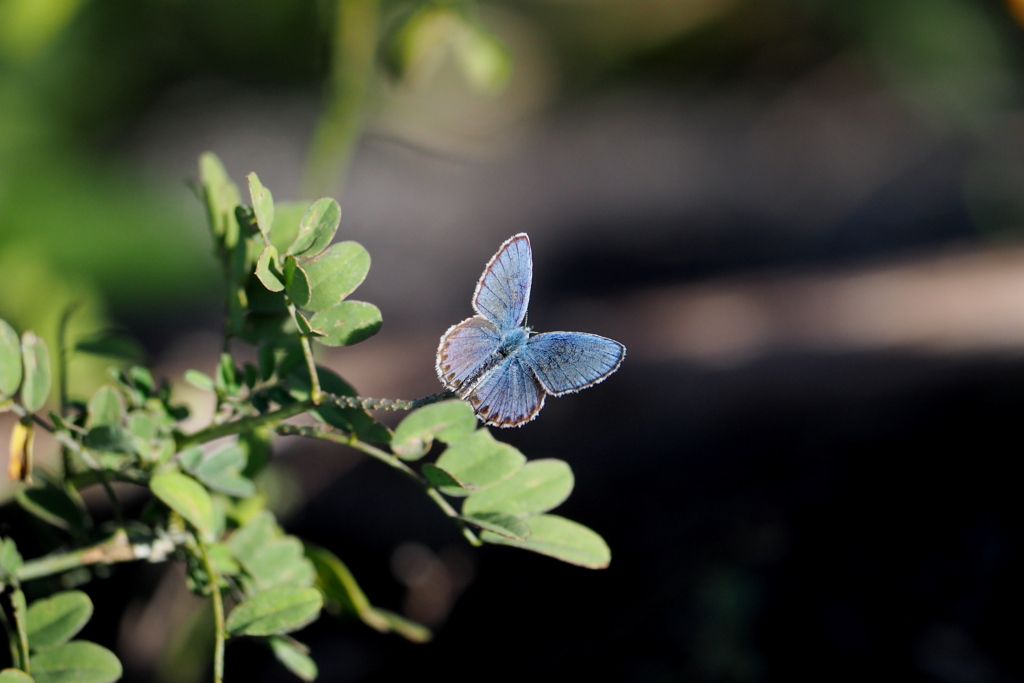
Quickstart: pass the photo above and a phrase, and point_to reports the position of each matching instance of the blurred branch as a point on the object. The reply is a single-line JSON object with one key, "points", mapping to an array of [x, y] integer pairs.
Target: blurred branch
{"points": [[353, 52]]}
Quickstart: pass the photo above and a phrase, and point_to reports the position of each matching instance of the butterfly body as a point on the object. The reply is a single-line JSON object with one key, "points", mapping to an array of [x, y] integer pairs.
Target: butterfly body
{"points": [[499, 365]]}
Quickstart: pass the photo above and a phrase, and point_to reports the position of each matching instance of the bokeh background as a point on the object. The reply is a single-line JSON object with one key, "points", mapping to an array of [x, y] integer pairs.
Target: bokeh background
{"points": [[803, 218]]}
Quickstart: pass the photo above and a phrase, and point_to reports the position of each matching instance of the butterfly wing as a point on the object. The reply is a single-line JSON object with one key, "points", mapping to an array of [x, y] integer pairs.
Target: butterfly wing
{"points": [[464, 350], [508, 396], [503, 293], [569, 361]]}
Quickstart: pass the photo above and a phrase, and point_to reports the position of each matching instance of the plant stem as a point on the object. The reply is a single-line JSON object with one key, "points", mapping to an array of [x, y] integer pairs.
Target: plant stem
{"points": [[354, 48], [218, 613], [115, 549], [245, 424]]}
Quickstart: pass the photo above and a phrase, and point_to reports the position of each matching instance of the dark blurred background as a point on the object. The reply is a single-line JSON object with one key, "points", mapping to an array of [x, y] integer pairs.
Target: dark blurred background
{"points": [[803, 218]]}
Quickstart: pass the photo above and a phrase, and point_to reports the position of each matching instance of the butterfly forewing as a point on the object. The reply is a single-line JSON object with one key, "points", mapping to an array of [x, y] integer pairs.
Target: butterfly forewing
{"points": [[464, 349], [569, 361], [509, 395], [503, 293]]}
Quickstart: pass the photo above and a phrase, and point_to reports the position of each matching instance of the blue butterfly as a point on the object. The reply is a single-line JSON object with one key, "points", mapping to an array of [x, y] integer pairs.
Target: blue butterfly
{"points": [[503, 368]]}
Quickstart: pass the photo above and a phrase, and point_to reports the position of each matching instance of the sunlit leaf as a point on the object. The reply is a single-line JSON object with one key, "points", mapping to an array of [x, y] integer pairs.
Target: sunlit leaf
{"points": [[448, 421], [335, 274], [262, 205], [479, 461], [35, 387], [188, 498], [538, 487], [57, 619], [347, 323], [76, 662], [10, 360], [562, 539], [277, 610], [294, 655], [317, 228]]}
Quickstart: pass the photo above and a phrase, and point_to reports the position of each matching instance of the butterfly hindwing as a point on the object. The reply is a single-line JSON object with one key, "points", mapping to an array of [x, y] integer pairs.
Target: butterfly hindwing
{"points": [[509, 395], [503, 293], [464, 349], [569, 361]]}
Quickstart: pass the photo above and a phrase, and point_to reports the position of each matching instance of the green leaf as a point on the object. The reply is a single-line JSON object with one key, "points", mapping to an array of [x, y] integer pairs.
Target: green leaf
{"points": [[10, 360], [335, 274], [76, 662], [55, 505], [262, 205], [267, 269], [447, 421], [337, 582], [538, 487], [350, 322], [287, 216], [438, 478], [562, 539], [277, 610], [294, 655], [222, 559], [10, 558], [57, 619], [226, 380], [317, 228], [269, 556], [15, 676], [198, 379], [222, 471], [340, 587], [353, 420], [297, 282], [188, 498], [221, 199], [479, 461], [110, 439], [36, 364], [501, 524], [106, 407]]}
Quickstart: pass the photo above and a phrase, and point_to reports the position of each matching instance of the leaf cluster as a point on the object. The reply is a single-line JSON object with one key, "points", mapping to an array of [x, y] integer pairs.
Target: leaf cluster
{"points": [[288, 284]]}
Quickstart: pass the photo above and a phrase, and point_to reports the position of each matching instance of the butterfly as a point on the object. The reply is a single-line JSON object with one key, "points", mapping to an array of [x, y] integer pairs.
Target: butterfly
{"points": [[503, 368]]}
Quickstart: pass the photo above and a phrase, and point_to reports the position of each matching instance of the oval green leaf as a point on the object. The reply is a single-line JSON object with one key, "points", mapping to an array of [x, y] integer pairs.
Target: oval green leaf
{"points": [[57, 619], [15, 676], [317, 227], [266, 269], [221, 199], [76, 662], [278, 610], [538, 487], [297, 282], [335, 274], [448, 421], [350, 322], [562, 539], [36, 365], [106, 407], [479, 461], [188, 498], [10, 360], [294, 656], [262, 205]]}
